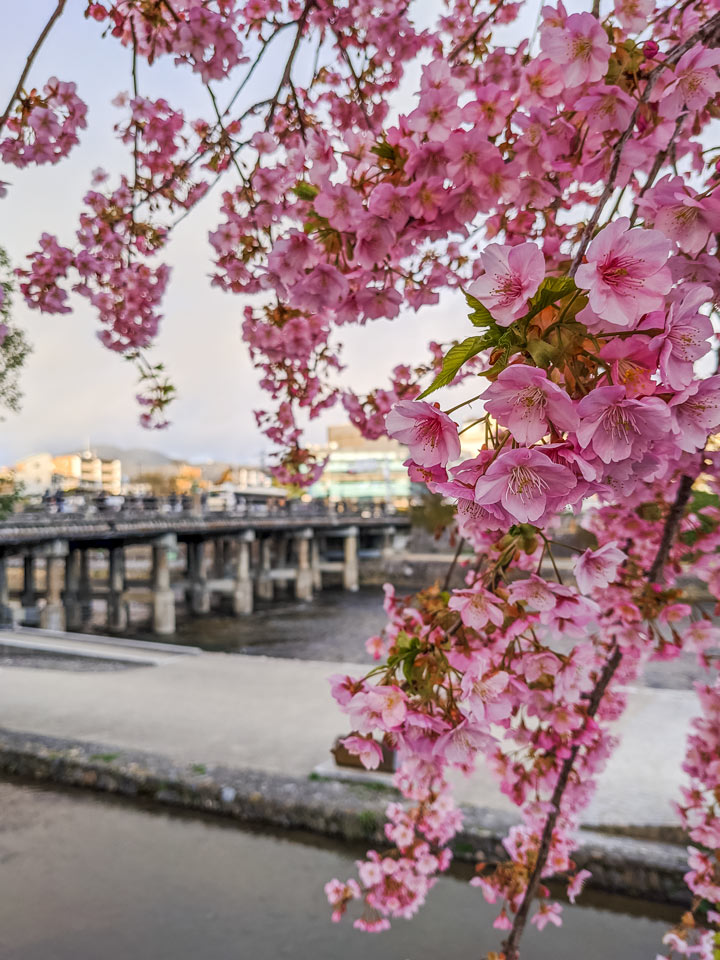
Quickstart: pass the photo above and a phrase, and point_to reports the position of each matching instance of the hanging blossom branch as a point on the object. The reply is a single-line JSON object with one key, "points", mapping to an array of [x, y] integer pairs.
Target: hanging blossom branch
{"points": [[582, 337], [669, 533]]}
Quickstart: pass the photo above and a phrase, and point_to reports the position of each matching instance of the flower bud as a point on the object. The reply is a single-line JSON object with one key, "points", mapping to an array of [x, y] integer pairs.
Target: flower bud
{"points": [[650, 50]]}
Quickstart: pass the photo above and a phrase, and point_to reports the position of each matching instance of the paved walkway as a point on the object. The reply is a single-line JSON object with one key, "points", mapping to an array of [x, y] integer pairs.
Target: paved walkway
{"points": [[277, 716]]}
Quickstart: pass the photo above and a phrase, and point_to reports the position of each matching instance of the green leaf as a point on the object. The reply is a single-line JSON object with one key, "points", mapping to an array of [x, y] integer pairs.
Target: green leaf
{"points": [[480, 316], [408, 666], [544, 354], [383, 149], [456, 356], [551, 290], [305, 191]]}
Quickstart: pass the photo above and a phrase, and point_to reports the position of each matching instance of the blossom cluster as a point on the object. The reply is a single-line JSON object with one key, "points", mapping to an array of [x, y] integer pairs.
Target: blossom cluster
{"points": [[44, 127]]}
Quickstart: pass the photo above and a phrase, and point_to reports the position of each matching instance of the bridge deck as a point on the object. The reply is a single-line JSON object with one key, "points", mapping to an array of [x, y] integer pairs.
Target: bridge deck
{"points": [[20, 531]]}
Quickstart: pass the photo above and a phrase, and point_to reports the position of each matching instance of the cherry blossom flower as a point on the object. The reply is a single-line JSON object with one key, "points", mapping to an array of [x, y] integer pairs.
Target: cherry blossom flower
{"points": [[341, 205], [633, 14], [607, 108], [486, 693], [526, 402], [430, 434], [512, 275], [580, 46], [685, 338], [626, 274], [614, 427], [526, 483], [577, 883], [692, 84], [673, 207], [548, 913], [477, 608], [696, 413], [598, 568], [367, 749]]}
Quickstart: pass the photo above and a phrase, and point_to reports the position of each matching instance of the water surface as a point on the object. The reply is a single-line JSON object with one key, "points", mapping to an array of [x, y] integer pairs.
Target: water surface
{"points": [[84, 878]]}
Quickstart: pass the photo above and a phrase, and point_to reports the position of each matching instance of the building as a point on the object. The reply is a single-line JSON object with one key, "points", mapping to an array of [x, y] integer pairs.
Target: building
{"points": [[85, 471], [35, 474], [368, 471], [111, 476]]}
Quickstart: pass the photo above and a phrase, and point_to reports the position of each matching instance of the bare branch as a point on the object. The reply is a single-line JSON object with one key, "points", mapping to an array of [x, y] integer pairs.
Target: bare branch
{"points": [[31, 58]]}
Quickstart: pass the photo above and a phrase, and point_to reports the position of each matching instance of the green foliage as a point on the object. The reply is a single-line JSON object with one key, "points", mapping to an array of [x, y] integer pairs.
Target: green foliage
{"points": [[551, 290], [305, 191], [15, 348], [456, 356], [507, 340]]}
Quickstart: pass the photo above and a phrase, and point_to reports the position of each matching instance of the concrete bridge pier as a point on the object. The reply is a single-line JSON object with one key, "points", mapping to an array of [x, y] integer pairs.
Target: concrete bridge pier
{"points": [[117, 608], [351, 570], [52, 615], [85, 588], [163, 597], [28, 597], [315, 569], [71, 594], [264, 584], [222, 558], [388, 543], [304, 577], [6, 613], [197, 572], [242, 597]]}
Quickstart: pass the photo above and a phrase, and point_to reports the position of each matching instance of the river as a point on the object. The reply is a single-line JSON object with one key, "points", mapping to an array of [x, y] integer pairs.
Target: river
{"points": [[85, 878]]}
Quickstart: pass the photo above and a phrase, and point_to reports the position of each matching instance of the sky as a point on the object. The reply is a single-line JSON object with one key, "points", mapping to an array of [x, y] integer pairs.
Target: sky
{"points": [[76, 390]]}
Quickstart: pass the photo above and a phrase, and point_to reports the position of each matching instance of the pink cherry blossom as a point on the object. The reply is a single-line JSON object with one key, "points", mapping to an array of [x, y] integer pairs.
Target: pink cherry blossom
{"points": [[526, 483], [685, 338], [512, 275], [674, 208], [547, 913], [527, 403], [696, 413], [577, 883], [368, 750], [580, 46], [429, 433], [477, 608], [626, 274], [614, 427], [633, 14], [598, 568], [485, 693], [693, 82]]}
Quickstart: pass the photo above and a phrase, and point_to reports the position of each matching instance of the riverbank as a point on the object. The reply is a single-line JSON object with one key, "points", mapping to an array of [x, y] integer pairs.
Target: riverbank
{"points": [[331, 808], [244, 737]]}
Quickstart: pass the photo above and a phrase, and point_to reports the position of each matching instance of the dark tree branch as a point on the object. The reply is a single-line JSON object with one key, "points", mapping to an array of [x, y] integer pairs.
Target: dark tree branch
{"points": [[30, 60], [285, 79], [670, 528]]}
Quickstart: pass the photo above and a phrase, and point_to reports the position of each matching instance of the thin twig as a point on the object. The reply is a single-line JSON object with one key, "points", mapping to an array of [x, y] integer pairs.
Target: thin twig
{"points": [[451, 568], [31, 57], [456, 51], [302, 20], [704, 34]]}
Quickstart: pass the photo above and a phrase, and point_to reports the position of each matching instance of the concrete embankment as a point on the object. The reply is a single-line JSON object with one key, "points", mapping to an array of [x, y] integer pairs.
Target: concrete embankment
{"points": [[242, 736], [349, 811]]}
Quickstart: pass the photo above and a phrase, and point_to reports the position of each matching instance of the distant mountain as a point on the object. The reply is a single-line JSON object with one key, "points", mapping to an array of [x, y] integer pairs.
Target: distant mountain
{"points": [[134, 461]]}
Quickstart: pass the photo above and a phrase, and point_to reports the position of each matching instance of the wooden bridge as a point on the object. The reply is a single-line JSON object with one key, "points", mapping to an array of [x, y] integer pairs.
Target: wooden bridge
{"points": [[236, 557]]}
